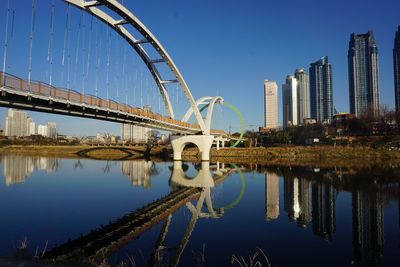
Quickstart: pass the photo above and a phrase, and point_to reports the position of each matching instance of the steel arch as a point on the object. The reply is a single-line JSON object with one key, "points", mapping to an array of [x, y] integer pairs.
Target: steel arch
{"points": [[127, 17], [210, 102]]}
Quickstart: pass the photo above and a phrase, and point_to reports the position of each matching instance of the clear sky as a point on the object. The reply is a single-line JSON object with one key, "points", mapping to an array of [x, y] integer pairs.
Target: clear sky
{"points": [[221, 47]]}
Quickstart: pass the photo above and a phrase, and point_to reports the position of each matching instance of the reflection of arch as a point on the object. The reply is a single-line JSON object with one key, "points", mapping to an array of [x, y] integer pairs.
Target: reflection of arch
{"points": [[242, 189], [202, 179], [209, 101], [127, 17]]}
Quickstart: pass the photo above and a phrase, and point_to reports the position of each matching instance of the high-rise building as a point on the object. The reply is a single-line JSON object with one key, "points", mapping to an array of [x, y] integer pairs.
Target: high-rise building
{"points": [[321, 98], [134, 133], [302, 95], [363, 75], [52, 130], [16, 123], [289, 101], [42, 130], [48, 130], [270, 104], [271, 196], [31, 126], [396, 65]]}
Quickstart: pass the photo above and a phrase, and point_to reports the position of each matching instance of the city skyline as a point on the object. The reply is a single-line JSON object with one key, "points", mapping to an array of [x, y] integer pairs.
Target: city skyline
{"points": [[263, 58]]}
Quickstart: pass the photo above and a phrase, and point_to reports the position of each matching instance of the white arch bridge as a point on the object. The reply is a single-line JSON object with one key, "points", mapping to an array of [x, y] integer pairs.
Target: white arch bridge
{"points": [[38, 96]]}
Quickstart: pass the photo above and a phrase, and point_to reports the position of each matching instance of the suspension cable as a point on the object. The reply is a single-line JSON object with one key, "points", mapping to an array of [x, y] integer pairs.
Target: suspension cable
{"points": [[141, 88], [6, 39], [108, 63], [78, 42], [68, 47], [50, 46], [33, 14], [65, 42], [97, 59], [85, 75], [123, 74], [134, 87], [117, 62]]}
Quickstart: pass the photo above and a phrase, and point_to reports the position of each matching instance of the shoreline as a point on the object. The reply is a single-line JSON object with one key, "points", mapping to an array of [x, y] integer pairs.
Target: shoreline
{"points": [[296, 155]]}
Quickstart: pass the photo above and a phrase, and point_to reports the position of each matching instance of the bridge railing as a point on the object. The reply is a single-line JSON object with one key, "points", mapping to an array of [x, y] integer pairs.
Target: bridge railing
{"points": [[43, 89]]}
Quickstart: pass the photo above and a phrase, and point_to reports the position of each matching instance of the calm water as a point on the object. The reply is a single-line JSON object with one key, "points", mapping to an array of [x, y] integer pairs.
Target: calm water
{"points": [[297, 216]]}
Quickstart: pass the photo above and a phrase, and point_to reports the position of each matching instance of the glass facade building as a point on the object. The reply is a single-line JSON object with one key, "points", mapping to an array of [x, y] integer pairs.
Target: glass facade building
{"points": [[321, 98], [363, 75]]}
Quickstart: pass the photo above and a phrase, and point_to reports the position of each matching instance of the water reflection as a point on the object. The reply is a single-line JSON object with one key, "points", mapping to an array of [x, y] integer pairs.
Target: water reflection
{"points": [[271, 196], [307, 197], [17, 168], [138, 171], [106, 240], [312, 198], [368, 232]]}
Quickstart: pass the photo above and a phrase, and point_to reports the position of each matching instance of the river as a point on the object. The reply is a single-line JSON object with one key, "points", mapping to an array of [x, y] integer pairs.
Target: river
{"points": [[156, 213]]}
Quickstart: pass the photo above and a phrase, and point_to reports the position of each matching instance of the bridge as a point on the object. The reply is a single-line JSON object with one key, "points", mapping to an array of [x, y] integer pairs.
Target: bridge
{"points": [[104, 241], [28, 94]]}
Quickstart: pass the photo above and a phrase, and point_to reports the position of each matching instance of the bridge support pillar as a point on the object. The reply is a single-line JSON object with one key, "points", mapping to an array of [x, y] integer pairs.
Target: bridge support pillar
{"points": [[203, 142]]}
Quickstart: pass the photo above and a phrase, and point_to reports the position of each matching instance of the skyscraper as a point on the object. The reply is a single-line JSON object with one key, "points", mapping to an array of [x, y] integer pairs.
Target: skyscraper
{"points": [[289, 101], [396, 65], [270, 104], [302, 95], [321, 98], [363, 75]]}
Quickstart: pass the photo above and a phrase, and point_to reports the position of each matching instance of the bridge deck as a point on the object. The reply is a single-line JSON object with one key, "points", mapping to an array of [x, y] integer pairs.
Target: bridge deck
{"points": [[39, 96]]}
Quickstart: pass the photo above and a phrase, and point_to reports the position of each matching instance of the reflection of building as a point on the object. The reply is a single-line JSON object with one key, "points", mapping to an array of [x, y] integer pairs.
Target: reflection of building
{"points": [[17, 168], [291, 197], [368, 233], [289, 101], [270, 104], [323, 210], [271, 196], [305, 203], [138, 172], [363, 74]]}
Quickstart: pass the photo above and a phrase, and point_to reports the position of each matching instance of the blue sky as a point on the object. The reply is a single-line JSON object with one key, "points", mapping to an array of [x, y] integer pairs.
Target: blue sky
{"points": [[221, 47]]}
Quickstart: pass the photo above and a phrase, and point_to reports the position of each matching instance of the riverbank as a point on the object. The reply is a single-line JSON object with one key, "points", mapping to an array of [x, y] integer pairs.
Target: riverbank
{"points": [[303, 156], [296, 155]]}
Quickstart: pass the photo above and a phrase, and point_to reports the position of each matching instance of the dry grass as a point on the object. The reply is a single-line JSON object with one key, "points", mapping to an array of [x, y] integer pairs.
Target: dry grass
{"points": [[257, 259]]}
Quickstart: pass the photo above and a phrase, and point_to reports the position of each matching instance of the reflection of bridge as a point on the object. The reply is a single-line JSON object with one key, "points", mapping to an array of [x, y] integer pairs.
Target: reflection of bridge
{"points": [[104, 241], [38, 96]]}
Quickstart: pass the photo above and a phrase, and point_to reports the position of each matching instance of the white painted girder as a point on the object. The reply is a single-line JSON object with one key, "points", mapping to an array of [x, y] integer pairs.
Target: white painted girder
{"points": [[128, 17]]}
